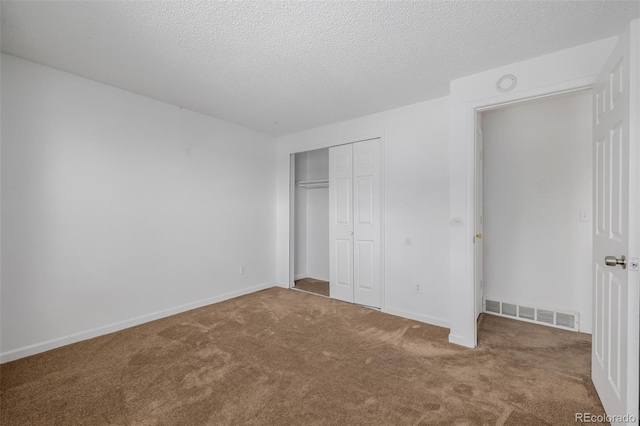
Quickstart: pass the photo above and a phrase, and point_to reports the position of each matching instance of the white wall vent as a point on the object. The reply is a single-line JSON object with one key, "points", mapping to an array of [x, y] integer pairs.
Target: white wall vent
{"points": [[565, 320], [509, 309], [527, 313], [553, 318], [492, 306], [544, 316]]}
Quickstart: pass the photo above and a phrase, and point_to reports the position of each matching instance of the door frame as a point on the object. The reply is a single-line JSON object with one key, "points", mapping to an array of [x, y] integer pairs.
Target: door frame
{"points": [[478, 208], [463, 276], [292, 190]]}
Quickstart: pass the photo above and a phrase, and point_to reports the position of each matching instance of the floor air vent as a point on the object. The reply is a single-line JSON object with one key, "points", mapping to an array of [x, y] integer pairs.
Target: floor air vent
{"points": [[545, 316], [492, 306], [527, 313], [566, 320], [509, 309]]}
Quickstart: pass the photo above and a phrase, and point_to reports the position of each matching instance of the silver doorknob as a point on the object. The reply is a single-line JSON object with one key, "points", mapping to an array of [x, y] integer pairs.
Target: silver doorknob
{"points": [[614, 261]]}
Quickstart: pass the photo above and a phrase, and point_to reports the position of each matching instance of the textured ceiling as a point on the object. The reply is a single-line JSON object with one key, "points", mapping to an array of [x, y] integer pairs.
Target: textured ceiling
{"points": [[280, 67]]}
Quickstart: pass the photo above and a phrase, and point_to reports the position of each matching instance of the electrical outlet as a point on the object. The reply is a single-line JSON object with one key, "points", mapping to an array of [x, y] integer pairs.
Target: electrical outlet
{"points": [[242, 270], [417, 288]]}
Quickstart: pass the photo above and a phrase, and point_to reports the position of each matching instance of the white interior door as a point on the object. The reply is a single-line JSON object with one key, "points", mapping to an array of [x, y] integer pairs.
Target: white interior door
{"points": [[341, 222], [479, 252], [367, 217], [616, 231]]}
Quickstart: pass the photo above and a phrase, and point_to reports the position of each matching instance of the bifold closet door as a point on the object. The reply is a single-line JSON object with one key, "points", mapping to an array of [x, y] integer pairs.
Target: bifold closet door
{"points": [[355, 228], [341, 222], [366, 222]]}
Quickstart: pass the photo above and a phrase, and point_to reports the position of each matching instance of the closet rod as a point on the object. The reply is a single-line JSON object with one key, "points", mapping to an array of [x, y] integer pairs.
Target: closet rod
{"points": [[320, 183]]}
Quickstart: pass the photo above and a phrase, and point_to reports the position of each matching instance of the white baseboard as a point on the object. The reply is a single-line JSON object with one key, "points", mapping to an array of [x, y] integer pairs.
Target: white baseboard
{"points": [[37, 348], [417, 317], [585, 330], [462, 341]]}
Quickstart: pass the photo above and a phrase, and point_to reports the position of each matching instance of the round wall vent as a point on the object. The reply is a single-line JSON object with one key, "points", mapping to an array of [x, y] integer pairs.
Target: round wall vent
{"points": [[506, 83]]}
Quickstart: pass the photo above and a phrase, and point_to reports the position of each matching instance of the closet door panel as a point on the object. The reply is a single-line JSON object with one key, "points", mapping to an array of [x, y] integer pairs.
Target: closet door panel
{"points": [[367, 175], [341, 222], [366, 266], [365, 187], [344, 261]]}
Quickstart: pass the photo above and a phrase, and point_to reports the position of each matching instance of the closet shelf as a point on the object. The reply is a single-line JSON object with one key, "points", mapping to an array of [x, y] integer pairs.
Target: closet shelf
{"points": [[318, 183]]}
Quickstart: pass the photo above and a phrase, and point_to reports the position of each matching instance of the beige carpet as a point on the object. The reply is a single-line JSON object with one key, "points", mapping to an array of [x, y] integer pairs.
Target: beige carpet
{"points": [[283, 357], [313, 286]]}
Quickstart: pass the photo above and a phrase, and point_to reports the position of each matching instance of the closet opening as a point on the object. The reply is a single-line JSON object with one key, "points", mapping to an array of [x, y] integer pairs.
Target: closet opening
{"points": [[533, 211], [311, 221], [336, 227]]}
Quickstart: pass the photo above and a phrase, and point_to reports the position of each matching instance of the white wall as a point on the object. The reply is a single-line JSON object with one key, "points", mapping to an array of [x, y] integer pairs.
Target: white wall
{"points": [[318, 266], [563, 70], [317, 164], [117, 209], [312, 217], [318, 216], [537, 180], [416, 204], [300, 221]]}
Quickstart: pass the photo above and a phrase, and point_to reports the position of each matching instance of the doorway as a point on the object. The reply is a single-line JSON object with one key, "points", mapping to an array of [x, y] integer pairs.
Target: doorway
{"points": [[533, 219], [311, 221]]}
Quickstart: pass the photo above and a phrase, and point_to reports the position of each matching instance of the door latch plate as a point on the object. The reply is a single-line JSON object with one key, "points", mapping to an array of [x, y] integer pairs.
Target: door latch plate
{"points": [[633, 263]]}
